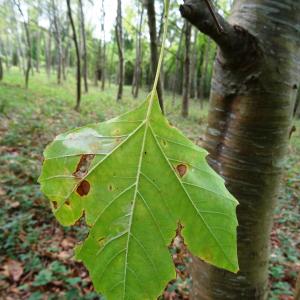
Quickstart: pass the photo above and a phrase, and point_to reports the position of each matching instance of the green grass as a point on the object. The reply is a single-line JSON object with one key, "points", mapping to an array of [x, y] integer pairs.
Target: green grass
{"points": [[29, 234]]}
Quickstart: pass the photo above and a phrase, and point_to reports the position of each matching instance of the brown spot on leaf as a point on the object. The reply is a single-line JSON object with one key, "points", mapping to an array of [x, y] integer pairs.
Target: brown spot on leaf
{"points": [[83, 188], [110, 188], [83, 165], [101, 241], [181, 169], [68, 202], [164, 143], [54, 204]]}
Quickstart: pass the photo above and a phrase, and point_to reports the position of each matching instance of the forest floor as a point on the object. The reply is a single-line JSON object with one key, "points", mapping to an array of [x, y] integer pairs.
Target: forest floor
{"points": [[36, 252]]}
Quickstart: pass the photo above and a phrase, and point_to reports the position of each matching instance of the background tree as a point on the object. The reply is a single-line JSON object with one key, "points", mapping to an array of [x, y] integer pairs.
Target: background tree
{"points": [[252, 97], [28, 42], [138, 58], [84, 48], [186, 75], [1, 67], [153, 46], [78, 69], [103, 52], [119, 39], [58, 38]]}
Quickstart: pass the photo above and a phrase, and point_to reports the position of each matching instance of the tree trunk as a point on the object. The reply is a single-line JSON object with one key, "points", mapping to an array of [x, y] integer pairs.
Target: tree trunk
{"points": [[28, 42], [97, 70], [84, 52], [204, 74], [38, 42], [1, 68], [15, 23], [138, 58], [186, 76], [58, 39], [178, 59], [78, 73], [119, 38], [103, 52], [48, 44], [153, 47], [193, 80], [252, 100]]}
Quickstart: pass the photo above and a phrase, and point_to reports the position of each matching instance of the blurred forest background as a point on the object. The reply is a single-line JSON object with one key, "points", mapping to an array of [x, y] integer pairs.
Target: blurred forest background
{"points": [[44, 76]]}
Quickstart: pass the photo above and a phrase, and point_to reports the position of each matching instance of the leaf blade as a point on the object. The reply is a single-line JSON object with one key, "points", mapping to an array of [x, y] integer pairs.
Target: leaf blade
{"points": [[133, 194]]}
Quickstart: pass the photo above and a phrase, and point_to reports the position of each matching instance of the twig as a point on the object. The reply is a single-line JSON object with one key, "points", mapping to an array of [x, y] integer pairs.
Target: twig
{"points": [[219, 27]]}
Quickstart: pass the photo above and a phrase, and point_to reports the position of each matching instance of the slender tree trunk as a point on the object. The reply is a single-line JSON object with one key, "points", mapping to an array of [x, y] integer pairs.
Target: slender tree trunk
{"points": [[296, 111], [138, 58], [58, 38], [1, 68], [66, 52], [178, 60], [48, 44], [153, 47], [28, 42], [103, 52], [204, 74], [119, 38], [193, 81], [78, 74], [98, 63], [8, 52], [84, 52], [38, 45], [252, 100], [186, 76]]}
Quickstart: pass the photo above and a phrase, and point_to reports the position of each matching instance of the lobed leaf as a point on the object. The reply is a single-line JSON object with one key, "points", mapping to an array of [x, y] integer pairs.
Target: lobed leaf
{"points": [[135, 177]]}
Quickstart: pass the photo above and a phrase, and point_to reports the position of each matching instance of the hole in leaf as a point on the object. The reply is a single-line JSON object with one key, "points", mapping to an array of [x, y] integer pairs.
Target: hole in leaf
{"points": [[145, 152], [181, 258], [181, 169], [83, 188], [83, 165]]}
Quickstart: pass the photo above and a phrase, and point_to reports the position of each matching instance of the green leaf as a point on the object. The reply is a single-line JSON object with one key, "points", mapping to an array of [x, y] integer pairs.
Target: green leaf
{"points": [[135, 178]]}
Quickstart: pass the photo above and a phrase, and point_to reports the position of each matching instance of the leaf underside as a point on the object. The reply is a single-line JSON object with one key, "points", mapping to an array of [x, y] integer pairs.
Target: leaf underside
{"points": [[135, 177]]}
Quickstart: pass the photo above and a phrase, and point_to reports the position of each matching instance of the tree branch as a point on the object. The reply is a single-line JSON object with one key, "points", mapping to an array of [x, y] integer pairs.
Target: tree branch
{"points": [[235, 42]]}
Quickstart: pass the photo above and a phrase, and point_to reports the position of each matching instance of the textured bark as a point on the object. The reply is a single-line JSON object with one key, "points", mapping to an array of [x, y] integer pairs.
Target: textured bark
{"points": [[78, 69], [84, 52], [120, 44], [153, 47], [256, 73], [186, 76]]}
